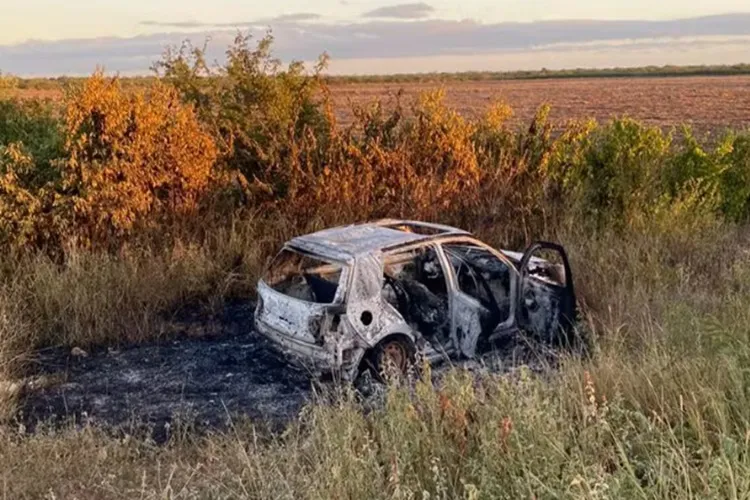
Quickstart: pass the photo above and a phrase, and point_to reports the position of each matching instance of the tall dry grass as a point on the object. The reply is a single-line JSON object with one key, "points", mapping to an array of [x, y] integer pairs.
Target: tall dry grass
{"points": [[16, 336], [659, 410]]}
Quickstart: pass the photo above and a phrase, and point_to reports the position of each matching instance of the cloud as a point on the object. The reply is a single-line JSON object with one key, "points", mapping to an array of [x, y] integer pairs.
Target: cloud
{"points": [[296, 18], [299, 17], [374, 39], [402, 11], [175, 24]]}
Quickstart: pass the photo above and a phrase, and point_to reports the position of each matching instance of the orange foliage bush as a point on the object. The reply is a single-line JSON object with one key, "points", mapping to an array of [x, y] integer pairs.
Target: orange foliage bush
{"points": [[132, 157], [130, 160], [24, 209], [437, 165], [383, 167]]}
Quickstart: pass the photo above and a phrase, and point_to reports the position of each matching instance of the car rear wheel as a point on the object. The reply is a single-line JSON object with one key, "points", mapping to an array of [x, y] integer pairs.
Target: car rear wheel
{"points": [[393, 357]]}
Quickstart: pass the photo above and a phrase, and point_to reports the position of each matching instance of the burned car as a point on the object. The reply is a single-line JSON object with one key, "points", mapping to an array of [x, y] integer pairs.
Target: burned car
{"points": [[380, 293]]}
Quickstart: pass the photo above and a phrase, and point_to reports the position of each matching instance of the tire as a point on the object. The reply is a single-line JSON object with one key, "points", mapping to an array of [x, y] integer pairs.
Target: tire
{"points": [[393, 357]]}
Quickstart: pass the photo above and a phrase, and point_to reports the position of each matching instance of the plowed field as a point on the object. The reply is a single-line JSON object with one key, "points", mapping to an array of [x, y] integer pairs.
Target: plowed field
{"points": [[708, 103]]}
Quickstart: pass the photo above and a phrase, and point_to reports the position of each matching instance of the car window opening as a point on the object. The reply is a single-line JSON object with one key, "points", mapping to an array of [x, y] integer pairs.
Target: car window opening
{"points": [[420, 229], [304, 277]]}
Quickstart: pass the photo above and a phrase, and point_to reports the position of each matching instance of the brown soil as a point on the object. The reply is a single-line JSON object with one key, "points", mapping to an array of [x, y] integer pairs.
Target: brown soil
{"points": [[707, 103]]}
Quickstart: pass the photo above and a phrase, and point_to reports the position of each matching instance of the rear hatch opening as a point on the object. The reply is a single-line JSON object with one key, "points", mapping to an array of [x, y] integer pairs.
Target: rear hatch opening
{"points": [[298, 293]]}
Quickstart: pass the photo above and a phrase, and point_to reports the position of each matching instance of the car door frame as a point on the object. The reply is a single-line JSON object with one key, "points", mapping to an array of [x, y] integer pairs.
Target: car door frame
{"points": [[436, 350], [510, 324], [569, 310]]}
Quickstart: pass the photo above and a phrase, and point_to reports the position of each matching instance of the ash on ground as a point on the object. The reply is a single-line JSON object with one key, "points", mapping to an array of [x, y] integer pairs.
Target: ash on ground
{"points": [[206, 382]]}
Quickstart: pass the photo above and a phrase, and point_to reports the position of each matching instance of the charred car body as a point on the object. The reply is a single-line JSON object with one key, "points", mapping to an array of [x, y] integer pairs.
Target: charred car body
{"points": [[382, 292]]}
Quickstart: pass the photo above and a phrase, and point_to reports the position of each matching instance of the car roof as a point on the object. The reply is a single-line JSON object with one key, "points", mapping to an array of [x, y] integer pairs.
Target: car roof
{"points": [[346, 242]]}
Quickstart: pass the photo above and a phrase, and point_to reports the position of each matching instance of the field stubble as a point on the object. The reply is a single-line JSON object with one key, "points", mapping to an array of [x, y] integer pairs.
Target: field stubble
{"points": [[707, 103]]}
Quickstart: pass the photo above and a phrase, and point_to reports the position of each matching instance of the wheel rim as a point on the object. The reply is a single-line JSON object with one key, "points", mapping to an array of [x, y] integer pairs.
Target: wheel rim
{"points": [[395, 352]]}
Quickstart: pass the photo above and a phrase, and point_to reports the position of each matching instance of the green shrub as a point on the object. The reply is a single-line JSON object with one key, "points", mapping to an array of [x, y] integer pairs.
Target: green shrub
{"points": [[689, 162], [257, 110], [613, 172], [734, 176], [37, 126]]}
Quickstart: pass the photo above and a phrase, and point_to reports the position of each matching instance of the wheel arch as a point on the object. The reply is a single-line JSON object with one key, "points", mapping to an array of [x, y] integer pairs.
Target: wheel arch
{"points": [[403, 335], [398, 330]]}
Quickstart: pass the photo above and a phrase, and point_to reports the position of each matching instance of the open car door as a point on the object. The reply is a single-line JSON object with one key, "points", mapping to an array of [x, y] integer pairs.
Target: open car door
{"points": [[547, 301]]}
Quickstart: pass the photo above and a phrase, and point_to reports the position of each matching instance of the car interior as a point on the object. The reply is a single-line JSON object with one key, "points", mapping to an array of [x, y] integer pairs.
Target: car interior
{"points": [[416, 286]]}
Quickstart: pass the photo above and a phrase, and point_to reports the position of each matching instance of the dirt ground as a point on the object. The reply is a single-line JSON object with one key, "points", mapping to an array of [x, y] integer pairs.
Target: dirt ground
{"points": [[201, 381]]}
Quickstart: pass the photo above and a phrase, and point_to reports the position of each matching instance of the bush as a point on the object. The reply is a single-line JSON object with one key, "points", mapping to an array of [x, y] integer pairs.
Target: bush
{"points": [[35, 125], [8, 82], [129, 161], [613, 172], [257, 110], [734, 176], [381, 167]]}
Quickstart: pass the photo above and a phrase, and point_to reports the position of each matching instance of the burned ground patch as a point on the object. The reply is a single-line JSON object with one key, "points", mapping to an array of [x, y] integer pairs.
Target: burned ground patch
{"points": [[203, 382]]}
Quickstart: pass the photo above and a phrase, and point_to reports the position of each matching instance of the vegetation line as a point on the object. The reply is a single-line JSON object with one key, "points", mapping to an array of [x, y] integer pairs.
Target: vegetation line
{"points": [[8, 81], [548, 74]]}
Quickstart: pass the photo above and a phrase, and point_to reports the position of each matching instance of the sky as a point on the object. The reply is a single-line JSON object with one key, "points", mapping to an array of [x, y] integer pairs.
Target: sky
{"points": [[50, 37]]}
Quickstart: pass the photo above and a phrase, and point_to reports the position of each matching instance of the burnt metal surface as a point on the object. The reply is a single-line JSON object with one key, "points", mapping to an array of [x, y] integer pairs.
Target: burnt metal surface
{"points": [[345, 242], [457, 294]]}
